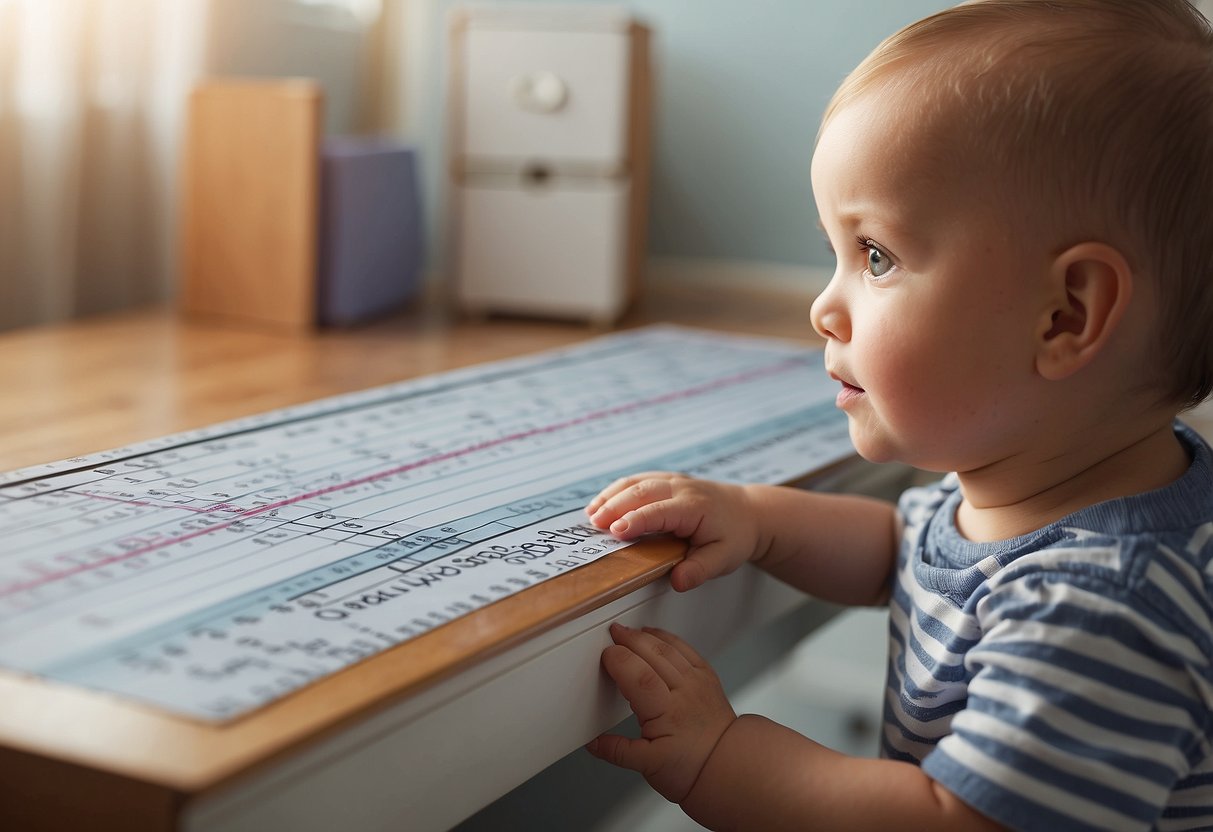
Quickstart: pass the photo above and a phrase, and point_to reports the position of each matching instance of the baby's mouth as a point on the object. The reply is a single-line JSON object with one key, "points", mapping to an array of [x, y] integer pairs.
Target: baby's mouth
{"points": [[849, 394]]}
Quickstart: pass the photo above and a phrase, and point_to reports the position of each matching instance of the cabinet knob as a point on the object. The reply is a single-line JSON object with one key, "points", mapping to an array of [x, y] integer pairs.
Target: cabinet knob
{"points": [[539, 92]]}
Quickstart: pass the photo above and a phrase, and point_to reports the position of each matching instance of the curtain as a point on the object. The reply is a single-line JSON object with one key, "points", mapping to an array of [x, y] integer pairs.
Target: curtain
{"points": [[92, 94]]}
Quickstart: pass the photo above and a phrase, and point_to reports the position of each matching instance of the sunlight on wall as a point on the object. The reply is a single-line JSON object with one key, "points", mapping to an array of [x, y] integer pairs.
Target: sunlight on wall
{"points": [[364, 11]]}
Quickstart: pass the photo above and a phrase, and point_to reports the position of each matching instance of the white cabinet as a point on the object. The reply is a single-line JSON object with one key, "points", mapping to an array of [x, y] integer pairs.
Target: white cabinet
{"points": [[549, 159], [555, 97], [550, 251]]}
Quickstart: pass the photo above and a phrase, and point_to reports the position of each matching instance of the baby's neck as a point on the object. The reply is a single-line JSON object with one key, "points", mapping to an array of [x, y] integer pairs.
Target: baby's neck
{"points": [[1013, 498]]}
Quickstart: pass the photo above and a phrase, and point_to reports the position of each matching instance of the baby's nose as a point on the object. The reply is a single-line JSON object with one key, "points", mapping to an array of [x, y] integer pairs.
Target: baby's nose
{"points": [[828, 316]]}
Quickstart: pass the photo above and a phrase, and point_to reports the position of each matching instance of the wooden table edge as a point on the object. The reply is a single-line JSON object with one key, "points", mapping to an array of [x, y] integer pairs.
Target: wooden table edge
{"points": [[129, 739]]}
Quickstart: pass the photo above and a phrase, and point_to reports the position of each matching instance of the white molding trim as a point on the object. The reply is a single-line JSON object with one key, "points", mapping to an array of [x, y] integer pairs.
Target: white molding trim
{"points": [[761, 275]]}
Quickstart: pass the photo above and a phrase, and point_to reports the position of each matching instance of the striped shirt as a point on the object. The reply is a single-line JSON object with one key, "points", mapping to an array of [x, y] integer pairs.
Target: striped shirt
{"points": [[1061, 680]]}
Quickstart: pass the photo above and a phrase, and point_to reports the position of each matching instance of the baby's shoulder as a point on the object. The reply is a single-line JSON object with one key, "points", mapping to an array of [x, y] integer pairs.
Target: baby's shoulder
{"points": [[1162, 575], [1120, 556]]}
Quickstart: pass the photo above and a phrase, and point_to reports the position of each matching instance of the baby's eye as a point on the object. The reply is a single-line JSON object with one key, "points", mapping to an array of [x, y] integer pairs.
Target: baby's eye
{"points": [[879, 261]]}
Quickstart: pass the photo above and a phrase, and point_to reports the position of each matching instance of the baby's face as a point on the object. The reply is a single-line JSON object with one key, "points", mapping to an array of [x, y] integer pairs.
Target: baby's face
{"points": [[930, 315]]}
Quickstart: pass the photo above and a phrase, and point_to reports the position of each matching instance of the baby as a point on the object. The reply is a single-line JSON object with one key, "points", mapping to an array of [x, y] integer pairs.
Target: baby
{"points": [[1019, 196]]}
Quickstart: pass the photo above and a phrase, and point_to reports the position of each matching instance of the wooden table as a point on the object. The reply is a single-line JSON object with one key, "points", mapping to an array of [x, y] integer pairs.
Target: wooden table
{"points": [[411, 738]]}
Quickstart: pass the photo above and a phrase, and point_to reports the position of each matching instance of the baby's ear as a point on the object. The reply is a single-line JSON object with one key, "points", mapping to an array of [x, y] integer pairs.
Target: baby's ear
{"points": [[1090, 287]]}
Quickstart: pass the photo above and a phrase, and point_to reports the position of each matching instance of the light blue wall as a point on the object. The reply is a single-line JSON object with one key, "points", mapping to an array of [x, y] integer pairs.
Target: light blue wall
{"points": [[741, 85]]}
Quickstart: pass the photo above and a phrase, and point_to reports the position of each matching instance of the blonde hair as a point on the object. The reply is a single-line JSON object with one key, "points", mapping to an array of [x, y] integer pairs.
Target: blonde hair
{"points": [[1096, 118]]}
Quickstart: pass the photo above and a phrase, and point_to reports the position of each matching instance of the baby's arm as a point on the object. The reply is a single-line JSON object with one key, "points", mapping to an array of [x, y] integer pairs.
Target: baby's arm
{"points": [[750, 773], [762, 775], [837, 547]]}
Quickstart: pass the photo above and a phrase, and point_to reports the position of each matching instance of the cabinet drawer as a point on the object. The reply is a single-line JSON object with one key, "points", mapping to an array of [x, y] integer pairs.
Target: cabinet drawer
{"points": [[555, 250], [551, 96]]}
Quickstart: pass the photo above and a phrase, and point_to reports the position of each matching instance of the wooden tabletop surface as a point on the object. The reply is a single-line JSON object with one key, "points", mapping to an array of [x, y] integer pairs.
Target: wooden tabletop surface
{"points": [[111, 381]]}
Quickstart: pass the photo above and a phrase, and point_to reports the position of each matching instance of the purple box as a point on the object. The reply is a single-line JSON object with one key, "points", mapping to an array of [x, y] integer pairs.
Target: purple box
{"points": [[370, 229]]}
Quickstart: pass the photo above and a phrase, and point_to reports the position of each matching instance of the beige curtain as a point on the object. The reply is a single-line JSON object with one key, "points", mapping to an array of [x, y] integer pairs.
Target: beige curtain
{"points": [[91, 100], [92, 104]]}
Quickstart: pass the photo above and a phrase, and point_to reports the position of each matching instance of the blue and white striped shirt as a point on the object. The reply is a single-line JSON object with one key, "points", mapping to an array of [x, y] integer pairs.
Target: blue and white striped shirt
{"points": [[1064, 679]]}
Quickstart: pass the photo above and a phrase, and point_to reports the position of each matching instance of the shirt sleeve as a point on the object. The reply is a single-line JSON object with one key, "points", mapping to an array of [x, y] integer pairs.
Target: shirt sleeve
{"points": [[1088, 702]]}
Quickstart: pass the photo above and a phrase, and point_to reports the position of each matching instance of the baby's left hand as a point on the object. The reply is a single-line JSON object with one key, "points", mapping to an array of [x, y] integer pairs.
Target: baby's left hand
{"points": [[679, 701]]}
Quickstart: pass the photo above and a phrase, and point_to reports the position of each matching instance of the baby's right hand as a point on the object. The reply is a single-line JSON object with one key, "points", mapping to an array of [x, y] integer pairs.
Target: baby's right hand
{"points": [[717, 519]]}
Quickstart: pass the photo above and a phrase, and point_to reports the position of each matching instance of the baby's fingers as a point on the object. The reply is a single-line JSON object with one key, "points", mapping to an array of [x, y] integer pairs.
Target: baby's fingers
{"points": [[676, 516], [703, 563], [640, 684], [621, 751], [622, 484], [665, 657], [684, 650]]}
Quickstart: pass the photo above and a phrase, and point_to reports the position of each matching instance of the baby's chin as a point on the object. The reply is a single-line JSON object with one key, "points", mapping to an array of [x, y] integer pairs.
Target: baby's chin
{"points": [[870, 444], [877, 446]]}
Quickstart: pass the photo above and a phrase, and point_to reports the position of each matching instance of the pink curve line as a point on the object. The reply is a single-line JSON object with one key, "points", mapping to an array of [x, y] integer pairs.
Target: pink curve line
{"points": [[690, 392]]}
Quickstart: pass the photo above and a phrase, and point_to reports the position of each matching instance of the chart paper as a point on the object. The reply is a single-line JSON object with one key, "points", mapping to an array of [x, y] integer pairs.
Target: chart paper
{"points": [[214, 571]]}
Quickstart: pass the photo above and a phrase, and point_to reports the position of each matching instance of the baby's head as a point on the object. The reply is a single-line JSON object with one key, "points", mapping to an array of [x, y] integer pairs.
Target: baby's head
{"points": [[1067, 121]]}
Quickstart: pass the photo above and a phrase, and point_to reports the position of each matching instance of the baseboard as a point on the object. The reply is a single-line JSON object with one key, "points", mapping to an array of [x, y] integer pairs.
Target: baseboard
{"points": [[808, 281]]}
